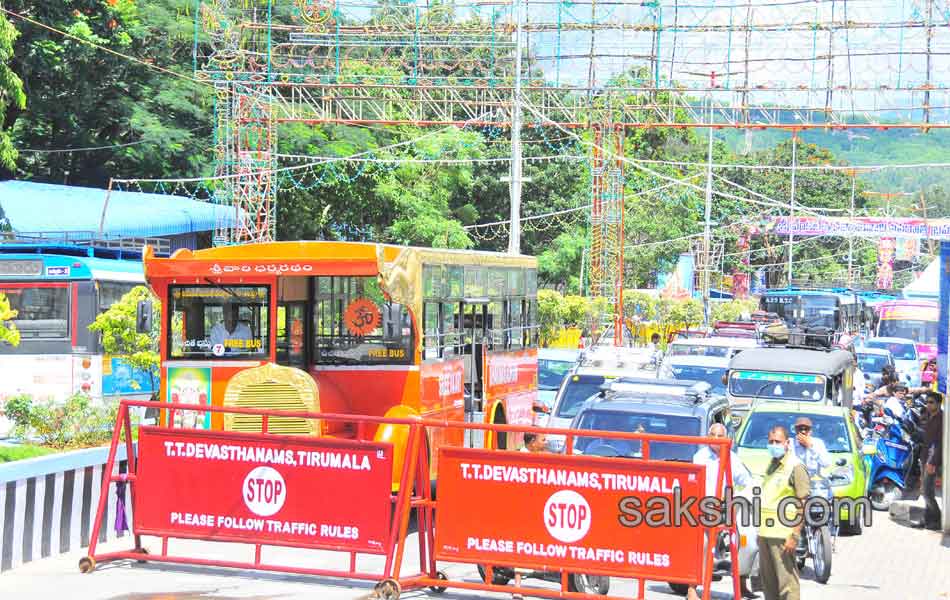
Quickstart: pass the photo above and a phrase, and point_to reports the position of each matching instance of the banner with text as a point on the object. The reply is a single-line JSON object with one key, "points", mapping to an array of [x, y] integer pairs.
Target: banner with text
{"points": [[583, 514], [874, 227], [263, 489]]}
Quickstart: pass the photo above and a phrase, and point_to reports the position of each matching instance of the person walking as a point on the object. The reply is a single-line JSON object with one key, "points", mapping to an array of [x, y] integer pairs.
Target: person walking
{"points": [[785, 477], [708, 456], [931, 459]]}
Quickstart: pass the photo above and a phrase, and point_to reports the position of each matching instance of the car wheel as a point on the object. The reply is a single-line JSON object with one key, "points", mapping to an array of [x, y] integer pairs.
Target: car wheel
{"points": [[679, 588], [588, 584]]}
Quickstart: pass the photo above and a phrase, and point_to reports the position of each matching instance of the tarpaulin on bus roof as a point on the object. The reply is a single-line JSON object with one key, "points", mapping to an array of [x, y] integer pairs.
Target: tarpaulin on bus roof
{"points": [[927, 286], [43, 207]]}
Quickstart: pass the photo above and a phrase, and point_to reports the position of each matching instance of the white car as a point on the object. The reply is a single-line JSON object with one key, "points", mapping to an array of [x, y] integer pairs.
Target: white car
{"points": [[906, 359], [711, 369], [553, 366], [596, 367]]}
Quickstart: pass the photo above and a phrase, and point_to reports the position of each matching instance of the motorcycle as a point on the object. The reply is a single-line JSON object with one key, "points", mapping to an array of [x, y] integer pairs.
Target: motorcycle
{"points": [[819, 531], [888, 452]]}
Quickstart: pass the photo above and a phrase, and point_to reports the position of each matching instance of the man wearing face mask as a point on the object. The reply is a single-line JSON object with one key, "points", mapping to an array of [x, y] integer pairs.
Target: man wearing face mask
{"points": [[785, 487]]}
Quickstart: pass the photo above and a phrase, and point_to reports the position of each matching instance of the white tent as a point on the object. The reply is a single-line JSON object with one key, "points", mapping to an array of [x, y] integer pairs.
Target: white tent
{"points": [[927, 286]]}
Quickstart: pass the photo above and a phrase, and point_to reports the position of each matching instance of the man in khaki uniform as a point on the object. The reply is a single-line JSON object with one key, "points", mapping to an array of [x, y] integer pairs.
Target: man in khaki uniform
{"points": [[786, 477]]}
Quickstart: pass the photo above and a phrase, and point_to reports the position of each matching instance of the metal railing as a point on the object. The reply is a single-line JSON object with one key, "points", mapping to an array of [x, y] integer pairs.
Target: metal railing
{"points": [[85, 238]]}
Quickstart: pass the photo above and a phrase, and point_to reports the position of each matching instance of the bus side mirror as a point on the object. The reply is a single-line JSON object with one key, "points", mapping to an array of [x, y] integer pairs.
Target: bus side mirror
{"points": [[143, 317]]}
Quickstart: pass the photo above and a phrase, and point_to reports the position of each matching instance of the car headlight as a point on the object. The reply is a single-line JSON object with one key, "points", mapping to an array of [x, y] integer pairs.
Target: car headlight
{"points": [[841, 477], [556, 443]]}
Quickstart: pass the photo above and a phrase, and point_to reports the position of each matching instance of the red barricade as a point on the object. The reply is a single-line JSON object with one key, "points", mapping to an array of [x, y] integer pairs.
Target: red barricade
{"points": [[541, 513], [529, 513], [269, 490]]}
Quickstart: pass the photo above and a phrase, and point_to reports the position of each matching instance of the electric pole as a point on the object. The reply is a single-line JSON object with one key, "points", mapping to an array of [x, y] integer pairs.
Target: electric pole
{"points": [[791, 205], [707, 229], [514, 186]]}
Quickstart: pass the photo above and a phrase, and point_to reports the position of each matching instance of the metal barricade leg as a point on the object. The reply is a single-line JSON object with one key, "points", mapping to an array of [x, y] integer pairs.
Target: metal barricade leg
{"points": [[87, 564]]}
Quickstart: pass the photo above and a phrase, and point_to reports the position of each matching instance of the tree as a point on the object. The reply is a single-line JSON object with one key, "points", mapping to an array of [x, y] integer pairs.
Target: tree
{"points": [[732, 310], [144, 122], [11, 92], [8, 331], [551, 314], [119, 336], [686, 313]]}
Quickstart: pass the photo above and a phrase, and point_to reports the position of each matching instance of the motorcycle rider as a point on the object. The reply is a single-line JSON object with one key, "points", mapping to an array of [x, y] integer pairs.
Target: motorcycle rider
{"points": [[897, 402], [810, 450]]}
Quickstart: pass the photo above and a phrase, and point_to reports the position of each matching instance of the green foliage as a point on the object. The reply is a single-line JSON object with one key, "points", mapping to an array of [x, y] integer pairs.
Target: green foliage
{"points": [[639, 305], [9, 334], [11, 90], [732, 310], [75, 423], [21, 452], [117, 326], [686, 313], [559, 263], [551, 315], [575, 311], [81, 96]]}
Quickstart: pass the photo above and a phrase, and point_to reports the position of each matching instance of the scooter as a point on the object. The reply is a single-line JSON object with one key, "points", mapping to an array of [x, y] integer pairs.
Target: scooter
{"points": [[888, 452], [819, 531]]}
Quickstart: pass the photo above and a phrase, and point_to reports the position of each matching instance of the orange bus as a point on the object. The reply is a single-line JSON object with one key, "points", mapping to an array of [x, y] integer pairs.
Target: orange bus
{"points": [[383, 330]]}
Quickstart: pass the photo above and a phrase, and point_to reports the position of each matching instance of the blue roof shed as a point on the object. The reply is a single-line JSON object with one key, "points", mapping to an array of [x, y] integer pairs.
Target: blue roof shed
{"points": [[45, 208]]}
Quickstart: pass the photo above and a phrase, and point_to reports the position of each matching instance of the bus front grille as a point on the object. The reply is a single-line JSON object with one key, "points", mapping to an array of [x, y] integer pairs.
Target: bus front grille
{"points": [[271, 396]]}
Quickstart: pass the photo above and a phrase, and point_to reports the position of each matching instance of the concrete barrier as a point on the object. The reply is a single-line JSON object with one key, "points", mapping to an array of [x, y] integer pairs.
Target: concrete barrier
{"points": [[48, 504]]}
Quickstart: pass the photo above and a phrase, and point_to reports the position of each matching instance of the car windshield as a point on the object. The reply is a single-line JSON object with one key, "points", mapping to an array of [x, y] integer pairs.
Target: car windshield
{"points": [[922, 332], [633, 422], [711, 375], [551, 373], [578, 389], [830, 429], [901, 351], [872, 363], [780, 386], [686, 349]]}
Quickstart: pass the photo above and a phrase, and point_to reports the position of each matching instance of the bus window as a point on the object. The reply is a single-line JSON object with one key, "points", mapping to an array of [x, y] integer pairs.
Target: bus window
{"points": [[111, 292], [291, 346], [432, 338], [451, 320], [496, 325], [515, 330], [42, 312], [218, 321], [355, 324]]}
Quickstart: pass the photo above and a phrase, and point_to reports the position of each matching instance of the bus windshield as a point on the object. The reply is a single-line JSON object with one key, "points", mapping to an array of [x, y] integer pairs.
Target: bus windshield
{"points": [[922, 332], [218, 321], [779, 386], [354, 323], [805, 310], [42, 312]]}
